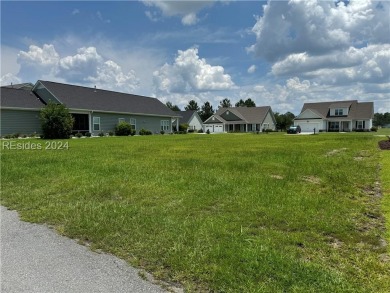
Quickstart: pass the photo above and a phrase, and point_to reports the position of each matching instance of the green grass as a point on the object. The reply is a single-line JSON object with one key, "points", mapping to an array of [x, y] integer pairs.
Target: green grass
{"points": [[220, 213]]}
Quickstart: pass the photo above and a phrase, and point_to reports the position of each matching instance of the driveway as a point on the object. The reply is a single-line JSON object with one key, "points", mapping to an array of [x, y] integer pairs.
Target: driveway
{"points": [[36, 259]]}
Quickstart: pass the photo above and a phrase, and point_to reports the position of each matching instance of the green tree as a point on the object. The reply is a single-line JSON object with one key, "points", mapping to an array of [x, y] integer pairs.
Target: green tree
{"points": [[283, 121], [192, 105], [56, 121], [250, 103], [225, 103], [247, 103], [206, 112], [172, 107], [240, 103]]}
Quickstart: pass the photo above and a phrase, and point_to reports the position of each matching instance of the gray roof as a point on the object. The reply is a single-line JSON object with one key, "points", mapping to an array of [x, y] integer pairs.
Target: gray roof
{"points": [[19, 98], [186, 116], [249, 115], [24, 86], [84, 98], [357, 110]]}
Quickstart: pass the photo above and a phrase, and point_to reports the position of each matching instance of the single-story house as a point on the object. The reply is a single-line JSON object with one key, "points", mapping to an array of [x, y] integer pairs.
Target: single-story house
{"points": [[241, 119], [192, 118], [95, 110], [336, 116]]}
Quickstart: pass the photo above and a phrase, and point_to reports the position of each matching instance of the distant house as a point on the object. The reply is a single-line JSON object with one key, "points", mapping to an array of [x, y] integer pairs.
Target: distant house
{"points": [[241, 119], [192, 118], [94, 110], [336, 116]]}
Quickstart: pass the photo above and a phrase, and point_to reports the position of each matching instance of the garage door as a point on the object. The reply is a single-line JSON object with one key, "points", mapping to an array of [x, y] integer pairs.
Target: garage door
{"points": [[308, 127], [214, 128]]}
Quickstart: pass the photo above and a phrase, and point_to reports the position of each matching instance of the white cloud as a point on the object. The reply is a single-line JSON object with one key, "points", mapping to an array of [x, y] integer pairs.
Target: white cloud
{"points": [[46, 56], [252, 69], [100, 17], [317, 27], [86, 67], [191, 73], [9, 78], [75, 11], [187, 10]]}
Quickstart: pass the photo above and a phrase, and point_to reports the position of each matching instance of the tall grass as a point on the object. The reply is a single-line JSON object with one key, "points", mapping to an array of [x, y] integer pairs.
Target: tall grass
{"points": [[223, 213]]}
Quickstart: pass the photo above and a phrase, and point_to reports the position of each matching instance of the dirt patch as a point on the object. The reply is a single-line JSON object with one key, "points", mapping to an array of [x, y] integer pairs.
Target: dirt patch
{"points": [[335, 151], [358, 158], [312, 179], [277, 177], [384, 144], [384, 257], [335, 243]]}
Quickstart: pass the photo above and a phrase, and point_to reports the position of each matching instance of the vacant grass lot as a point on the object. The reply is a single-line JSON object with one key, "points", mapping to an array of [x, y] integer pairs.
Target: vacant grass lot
{"points": [[220, 213]]}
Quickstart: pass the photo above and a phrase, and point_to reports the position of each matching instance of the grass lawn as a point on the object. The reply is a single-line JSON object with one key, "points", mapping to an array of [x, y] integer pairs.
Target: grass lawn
{"points": [[219, 213]]}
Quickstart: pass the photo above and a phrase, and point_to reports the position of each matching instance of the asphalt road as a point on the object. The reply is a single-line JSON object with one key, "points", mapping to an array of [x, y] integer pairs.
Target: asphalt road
{"points": [[36, 259]]}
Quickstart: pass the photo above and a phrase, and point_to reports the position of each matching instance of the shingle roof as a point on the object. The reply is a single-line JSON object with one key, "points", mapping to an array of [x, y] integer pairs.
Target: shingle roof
{"points": [[84, 98], [19, 98], [251, 115], [186, 116], [356, 111]]}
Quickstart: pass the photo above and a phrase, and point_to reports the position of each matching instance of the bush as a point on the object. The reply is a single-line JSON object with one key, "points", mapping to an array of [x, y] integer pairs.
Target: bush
{"points": [[183, 127], [162, 132], [78, 134], [56, 121], [8, 136], [191, 130], [145, 132], [101, 133], [111, 133], [200, 131], [208, 131], [88, 134], [123, 128], [375, 129], [15, 135]]}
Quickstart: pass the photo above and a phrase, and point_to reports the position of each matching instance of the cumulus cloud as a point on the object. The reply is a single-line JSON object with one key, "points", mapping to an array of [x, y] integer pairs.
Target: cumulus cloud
{"points": [[85, 67], [318, 26], [187, 10], [191, 73]]}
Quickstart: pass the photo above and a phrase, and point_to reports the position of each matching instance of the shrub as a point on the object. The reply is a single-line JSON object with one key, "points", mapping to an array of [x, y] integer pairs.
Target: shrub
{"points": [[101, 133], [145, 132], [8, 136], [15, 135], [123, 128], [111, 133], [162, 132], [183, 127], [375, 129], [200, 131], [208, 131], [88, 134], [191, 130], [33, 134], [78, 134], [56, 121]]}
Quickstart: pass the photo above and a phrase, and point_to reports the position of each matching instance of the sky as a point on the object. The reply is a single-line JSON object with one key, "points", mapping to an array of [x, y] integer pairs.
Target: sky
{"points": [[278, 53]]}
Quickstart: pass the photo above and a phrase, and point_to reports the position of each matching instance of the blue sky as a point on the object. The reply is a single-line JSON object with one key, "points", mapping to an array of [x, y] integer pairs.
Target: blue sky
{"points": [[278, 53]]}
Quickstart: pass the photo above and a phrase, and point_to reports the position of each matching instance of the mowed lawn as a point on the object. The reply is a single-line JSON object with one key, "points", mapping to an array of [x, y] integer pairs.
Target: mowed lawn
{"points": [[217, 213]]}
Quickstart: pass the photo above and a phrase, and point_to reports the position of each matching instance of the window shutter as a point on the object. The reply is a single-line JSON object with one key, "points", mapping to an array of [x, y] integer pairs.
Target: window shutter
{"points": [[364, 124]]}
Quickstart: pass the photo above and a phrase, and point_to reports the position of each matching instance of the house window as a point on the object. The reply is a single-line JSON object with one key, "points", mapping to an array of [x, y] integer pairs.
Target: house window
{"points": [[133, 123], [96, 123], [338, 112], [165, 125], [121, 120], [359, 124], [333, 126], [266, 126]]}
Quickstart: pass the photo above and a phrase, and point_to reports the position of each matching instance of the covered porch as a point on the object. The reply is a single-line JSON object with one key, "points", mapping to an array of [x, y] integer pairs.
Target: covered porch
{"points": [[339, 126]]}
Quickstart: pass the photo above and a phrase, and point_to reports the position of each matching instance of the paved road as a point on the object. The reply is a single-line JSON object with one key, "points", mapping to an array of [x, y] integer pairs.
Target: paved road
{"points": [[36, 259]]}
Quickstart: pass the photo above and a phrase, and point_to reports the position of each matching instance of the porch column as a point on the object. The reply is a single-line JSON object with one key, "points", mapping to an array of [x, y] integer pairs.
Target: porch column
{"points": [[177, 124], [339, 126]]}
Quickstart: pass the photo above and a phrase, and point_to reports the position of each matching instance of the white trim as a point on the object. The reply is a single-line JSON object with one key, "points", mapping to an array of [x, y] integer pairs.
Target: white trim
{"points": [[93, 123]]}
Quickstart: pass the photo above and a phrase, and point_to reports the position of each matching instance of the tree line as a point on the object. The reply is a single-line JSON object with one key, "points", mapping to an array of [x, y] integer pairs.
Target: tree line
{"points": [[206, 110], [381, 119], [283, 121]]}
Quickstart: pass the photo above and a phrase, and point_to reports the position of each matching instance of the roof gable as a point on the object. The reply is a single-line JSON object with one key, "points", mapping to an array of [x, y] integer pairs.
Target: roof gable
{"points": [[309, 114], [84, 98], [249, 115]]}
